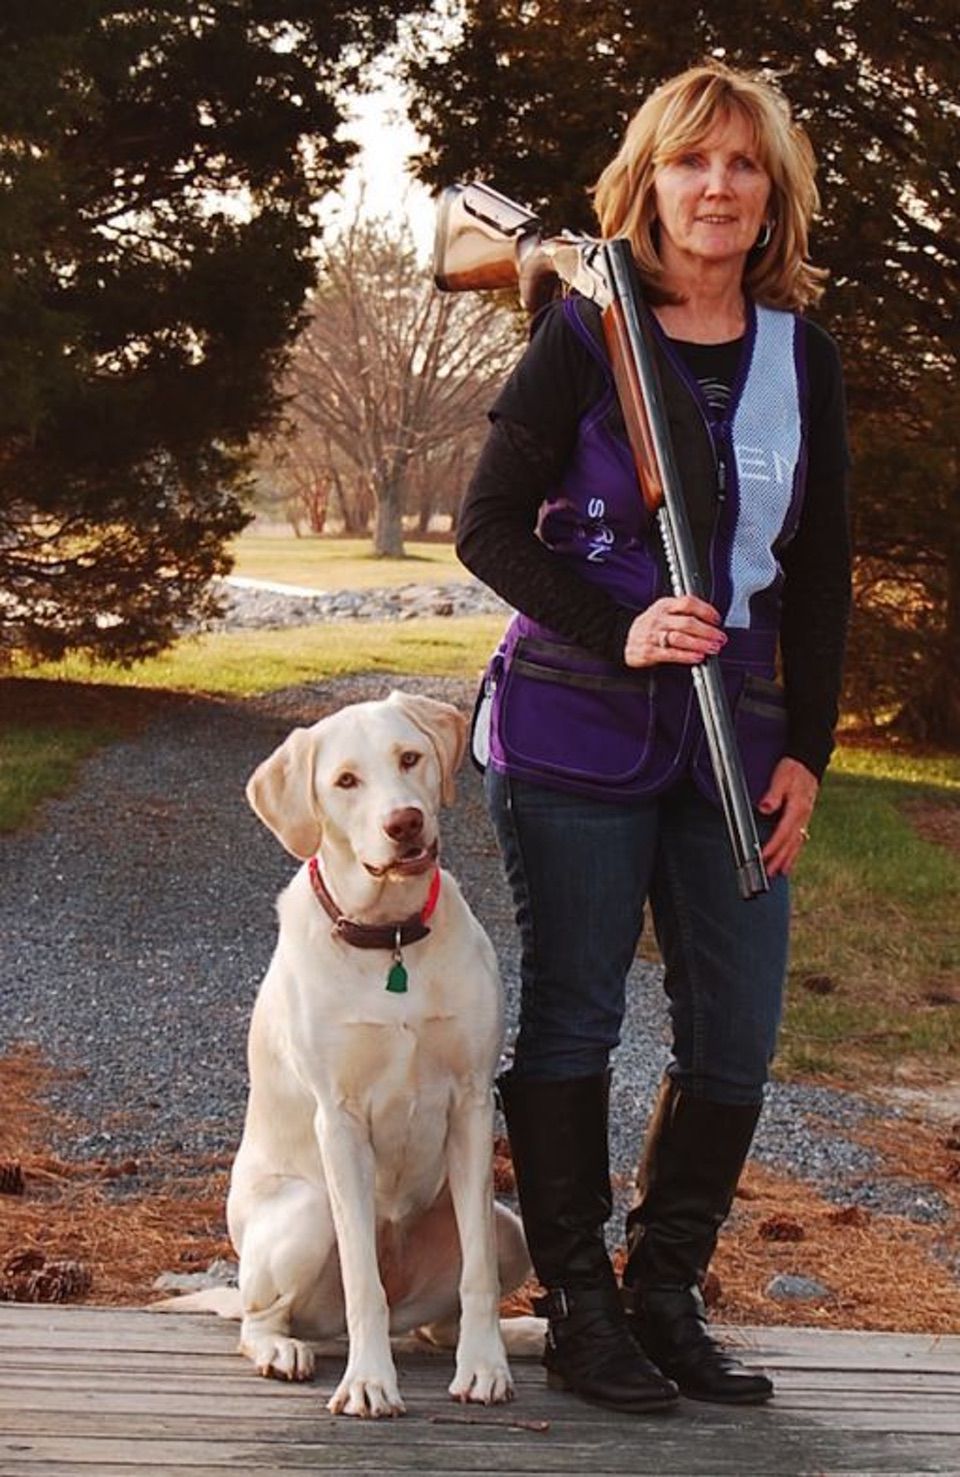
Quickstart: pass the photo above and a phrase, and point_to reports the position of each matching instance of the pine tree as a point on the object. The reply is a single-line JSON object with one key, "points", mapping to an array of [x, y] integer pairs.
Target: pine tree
{"points": [[534, 96], [159, 165]]}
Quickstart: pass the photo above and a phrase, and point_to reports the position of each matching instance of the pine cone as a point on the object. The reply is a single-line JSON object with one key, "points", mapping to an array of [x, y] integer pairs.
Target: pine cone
{"points": [[28, 1277], [28, 1260], [58, 1282]]}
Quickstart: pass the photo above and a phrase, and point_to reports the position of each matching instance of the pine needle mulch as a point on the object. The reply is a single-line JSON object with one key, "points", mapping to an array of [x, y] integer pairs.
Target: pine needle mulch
{"points": [[94, 1231], [101, 1232], [883, 1272]]}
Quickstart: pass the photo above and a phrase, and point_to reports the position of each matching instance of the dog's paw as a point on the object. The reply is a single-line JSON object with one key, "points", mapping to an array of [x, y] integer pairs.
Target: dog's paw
{"points": [[279, 1358], [484, 1383], [367, 1396]]}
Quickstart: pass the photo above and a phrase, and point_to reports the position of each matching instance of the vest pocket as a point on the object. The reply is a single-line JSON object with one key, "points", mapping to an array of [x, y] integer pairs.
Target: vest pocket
{"points": [[562, 712], [760, 729], [760, 724], [761, 697]]}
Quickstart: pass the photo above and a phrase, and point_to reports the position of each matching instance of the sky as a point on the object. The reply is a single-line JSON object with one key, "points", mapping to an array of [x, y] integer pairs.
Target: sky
{"points": [[380, 125]]}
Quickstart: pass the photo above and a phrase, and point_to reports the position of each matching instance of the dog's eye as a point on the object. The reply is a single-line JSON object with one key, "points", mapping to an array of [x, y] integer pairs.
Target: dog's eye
{"points": [[409, 758], [346, 781]]}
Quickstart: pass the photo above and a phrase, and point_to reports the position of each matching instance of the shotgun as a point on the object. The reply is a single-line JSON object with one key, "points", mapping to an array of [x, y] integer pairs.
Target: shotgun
{"points": [[485, 241]]}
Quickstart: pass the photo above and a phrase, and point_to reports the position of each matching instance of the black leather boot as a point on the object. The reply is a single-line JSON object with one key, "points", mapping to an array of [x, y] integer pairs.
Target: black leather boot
{"points": [[558, 1138], [694, 1154]]}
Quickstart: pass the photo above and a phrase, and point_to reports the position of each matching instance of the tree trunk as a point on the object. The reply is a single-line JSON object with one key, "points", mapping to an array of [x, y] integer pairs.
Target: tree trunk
{"points": [[317, 499], [933, 714], [388, 523], [352, 513], [426, 501]]}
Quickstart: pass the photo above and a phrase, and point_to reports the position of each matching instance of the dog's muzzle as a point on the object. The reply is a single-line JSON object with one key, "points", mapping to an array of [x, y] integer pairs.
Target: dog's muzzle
{"points": [[411, 862]]}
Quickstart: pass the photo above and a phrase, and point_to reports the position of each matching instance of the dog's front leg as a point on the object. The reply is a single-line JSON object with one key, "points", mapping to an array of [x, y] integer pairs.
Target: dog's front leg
{"points": [[369, 1383], [482, 1372]]}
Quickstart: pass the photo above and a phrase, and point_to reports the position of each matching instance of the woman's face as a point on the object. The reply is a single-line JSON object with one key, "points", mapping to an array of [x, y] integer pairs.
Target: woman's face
{"points": [[712, 199]]}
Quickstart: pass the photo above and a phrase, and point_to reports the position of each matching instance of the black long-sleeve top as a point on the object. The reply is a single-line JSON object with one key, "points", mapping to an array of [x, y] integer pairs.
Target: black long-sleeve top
{"points": [[533, 433]]}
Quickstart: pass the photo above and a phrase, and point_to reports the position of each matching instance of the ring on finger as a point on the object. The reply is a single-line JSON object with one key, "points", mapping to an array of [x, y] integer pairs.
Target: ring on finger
{"points": [[665, 638]]}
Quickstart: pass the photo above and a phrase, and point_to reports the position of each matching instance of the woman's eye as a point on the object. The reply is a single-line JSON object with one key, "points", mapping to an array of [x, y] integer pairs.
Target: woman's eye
{"points": [[689, 161], [409, 759], [744, 162], [346, 781]]}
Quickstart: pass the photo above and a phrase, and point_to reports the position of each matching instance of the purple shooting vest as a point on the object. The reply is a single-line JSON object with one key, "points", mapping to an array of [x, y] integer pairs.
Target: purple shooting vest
{"points": [[567, 719]]}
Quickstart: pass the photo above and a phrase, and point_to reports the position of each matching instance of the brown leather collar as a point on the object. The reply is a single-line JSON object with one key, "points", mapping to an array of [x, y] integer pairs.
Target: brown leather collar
{"points": [[375, 935]]}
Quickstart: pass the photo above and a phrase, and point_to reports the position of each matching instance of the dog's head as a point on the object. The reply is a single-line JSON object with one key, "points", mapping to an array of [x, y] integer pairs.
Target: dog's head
{"points": [[372, 776]]}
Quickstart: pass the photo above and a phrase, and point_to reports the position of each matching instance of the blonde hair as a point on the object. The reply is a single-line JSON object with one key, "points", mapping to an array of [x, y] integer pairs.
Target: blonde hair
{"points": [[678, 116]]}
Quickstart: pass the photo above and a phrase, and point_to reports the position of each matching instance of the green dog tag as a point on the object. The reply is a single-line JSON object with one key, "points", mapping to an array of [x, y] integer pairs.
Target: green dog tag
{"points": [[397, 979]]}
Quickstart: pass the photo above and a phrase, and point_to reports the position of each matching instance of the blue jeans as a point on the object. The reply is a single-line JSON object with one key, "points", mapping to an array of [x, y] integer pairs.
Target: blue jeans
{"points": [[580, 871]]}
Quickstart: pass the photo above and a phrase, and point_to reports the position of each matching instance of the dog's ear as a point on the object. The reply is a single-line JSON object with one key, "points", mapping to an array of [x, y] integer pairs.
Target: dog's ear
{"points": [[445, 727], [281, 792]]}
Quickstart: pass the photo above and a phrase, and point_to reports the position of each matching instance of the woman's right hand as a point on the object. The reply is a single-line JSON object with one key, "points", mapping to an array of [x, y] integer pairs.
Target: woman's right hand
{"points": [[677, 628]]}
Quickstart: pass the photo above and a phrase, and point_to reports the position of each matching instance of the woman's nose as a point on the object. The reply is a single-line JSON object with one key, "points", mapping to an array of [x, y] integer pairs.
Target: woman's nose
{"points": [[718, 177]]}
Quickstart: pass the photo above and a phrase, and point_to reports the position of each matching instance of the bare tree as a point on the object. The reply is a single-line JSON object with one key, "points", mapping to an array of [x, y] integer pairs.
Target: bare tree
{"points": [[305, 478], [390, 373], [292, 480], [438, 478]]}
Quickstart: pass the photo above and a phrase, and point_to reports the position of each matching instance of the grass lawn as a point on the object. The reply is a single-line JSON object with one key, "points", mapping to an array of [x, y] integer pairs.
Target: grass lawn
{"points": [[341, 563], [875, 957], [243, 663], [37, 761]]}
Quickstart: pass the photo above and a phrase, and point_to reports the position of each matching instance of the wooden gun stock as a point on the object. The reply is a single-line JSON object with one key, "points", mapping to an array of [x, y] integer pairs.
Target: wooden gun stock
{"points": [[630, 395]]}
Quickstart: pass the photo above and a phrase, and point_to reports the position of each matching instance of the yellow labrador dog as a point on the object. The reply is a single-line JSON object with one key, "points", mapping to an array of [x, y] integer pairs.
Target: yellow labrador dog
{"points": [[361, 1199]]}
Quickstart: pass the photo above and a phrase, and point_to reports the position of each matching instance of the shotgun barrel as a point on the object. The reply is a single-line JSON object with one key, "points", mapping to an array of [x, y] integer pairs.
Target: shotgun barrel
{"points": [[633, 330]]}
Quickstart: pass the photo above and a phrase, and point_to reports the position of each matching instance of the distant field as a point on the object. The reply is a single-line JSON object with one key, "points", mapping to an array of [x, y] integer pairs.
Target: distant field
{"points": [[244, 663], [320, 563]]}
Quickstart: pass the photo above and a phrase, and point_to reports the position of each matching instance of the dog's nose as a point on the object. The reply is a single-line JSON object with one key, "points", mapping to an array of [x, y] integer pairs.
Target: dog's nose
{"points": [[404, 825]]}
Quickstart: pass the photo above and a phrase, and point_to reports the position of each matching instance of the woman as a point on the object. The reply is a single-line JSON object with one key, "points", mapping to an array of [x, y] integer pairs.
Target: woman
{"points": [[598, 781]]}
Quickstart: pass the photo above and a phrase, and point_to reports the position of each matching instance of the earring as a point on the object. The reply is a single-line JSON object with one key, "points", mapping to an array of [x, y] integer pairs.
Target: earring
{"points": [[763, 240]]}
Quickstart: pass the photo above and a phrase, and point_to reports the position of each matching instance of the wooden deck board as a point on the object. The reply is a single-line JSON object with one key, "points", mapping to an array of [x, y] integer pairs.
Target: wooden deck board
{"points": [[128, 1393]]}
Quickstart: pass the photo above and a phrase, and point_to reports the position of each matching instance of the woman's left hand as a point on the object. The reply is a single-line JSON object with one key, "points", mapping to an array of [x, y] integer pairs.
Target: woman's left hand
{"points": [[793, 792]]}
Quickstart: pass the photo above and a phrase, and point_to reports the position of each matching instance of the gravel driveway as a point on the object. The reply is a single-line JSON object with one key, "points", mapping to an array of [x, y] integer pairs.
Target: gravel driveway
{"points": [[136, 919]]}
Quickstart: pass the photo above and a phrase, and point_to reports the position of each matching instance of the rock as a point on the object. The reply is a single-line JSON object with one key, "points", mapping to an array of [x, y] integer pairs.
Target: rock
{"points": [[788, 1287], [257, 604], [220, 1273]]}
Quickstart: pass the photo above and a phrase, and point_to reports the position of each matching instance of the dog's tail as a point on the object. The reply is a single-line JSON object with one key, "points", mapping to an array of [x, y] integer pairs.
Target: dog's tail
{"points": [[224, 1301]]}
